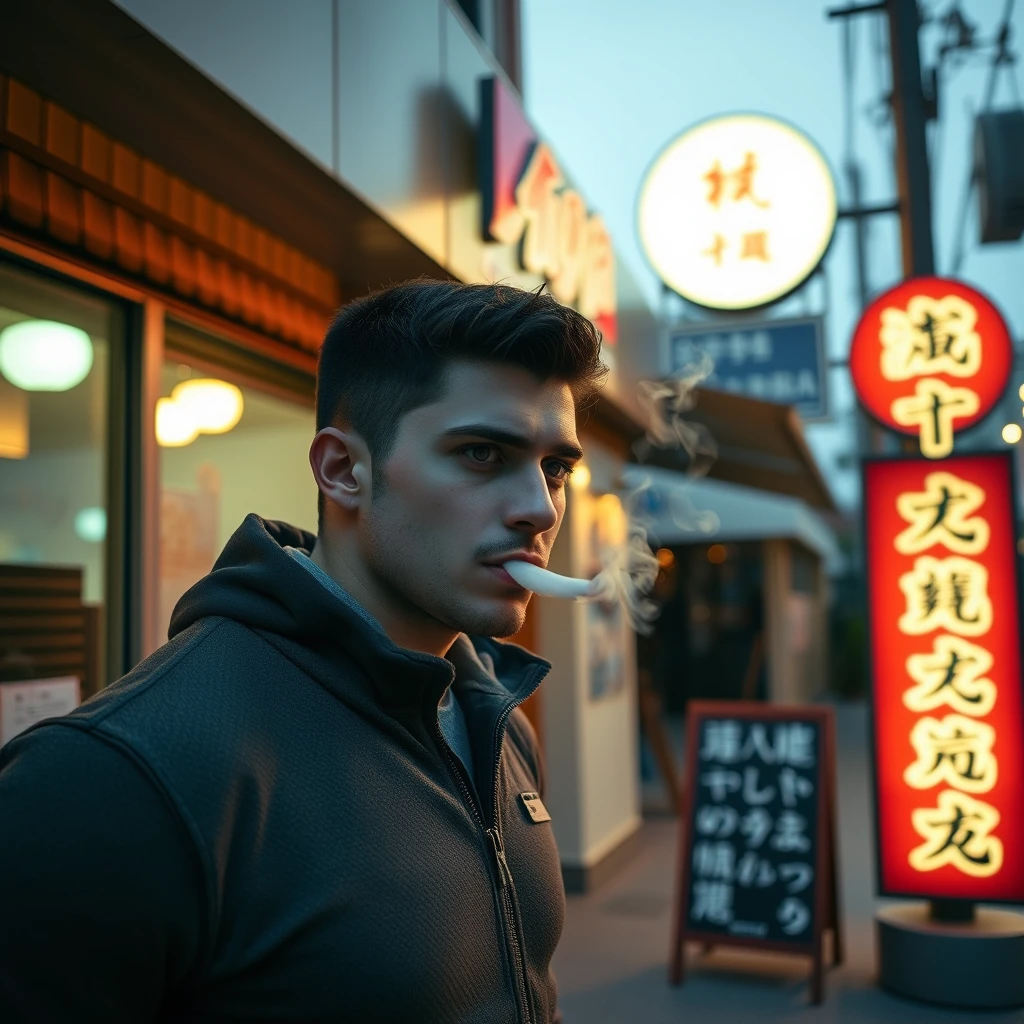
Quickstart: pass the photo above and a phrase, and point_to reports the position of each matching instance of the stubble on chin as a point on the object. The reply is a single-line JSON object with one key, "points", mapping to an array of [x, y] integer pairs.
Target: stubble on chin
{"points": [[444, 601], [473, 620]]}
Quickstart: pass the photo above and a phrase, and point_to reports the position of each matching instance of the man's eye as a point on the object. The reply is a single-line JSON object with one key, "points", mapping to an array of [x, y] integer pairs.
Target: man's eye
{"points": [[477, 448]]}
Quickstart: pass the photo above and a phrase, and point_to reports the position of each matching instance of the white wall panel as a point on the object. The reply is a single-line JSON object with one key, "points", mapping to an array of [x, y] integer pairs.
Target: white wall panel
{"points": [[390, 103], [274, 57]]}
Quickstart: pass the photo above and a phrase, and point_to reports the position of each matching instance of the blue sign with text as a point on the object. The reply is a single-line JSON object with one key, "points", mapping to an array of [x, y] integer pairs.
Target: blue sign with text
{"points": [[780, 361]]}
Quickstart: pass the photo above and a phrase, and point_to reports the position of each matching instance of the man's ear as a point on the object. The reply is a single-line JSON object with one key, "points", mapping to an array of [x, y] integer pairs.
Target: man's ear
{"points": [[341, 467]]}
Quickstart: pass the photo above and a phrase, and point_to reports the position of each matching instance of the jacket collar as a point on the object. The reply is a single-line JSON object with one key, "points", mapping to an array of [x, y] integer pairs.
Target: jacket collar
{"points": [[256, 582]]}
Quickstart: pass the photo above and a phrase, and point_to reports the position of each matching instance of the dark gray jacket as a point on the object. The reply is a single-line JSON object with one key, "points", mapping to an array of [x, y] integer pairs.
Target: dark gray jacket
{"points": [[262, 822]]}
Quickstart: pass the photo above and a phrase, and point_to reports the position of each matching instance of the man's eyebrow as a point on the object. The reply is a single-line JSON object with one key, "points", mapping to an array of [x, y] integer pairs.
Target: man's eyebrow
{"points": [[512, 439]]}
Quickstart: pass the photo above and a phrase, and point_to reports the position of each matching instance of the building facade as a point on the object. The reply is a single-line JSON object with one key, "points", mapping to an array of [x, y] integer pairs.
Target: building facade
{"points": [[187, 192]]}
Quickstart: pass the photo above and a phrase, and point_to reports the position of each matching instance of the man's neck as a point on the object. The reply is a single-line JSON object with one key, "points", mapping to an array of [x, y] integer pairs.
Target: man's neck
{"points": [[415, 633]]}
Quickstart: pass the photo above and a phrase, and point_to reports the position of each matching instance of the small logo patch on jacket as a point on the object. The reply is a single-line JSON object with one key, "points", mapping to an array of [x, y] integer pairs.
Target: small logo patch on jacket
{"points": [[535, 806]]}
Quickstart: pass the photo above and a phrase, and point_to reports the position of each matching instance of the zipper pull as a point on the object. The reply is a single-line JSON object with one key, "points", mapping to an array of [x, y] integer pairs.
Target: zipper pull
{"points": [[499, 853]]}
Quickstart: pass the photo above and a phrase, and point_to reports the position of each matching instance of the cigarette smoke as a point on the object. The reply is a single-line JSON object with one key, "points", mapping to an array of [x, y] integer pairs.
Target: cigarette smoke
{"points": [[629, 573]]}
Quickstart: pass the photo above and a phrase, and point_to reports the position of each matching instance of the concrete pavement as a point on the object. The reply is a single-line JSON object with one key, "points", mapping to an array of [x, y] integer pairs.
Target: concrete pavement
{"points": [[612, 962]]}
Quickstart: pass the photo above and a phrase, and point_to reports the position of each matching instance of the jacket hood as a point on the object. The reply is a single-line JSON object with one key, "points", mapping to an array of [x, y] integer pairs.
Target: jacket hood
{"points": [[257, 583]]}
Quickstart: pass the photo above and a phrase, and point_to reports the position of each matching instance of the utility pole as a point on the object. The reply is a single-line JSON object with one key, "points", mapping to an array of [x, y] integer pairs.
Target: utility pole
{"points": [[913, 178], [913, 175]]}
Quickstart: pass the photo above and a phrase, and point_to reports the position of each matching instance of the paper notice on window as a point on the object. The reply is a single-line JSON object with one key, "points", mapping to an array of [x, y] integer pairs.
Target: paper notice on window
{"points": [[25, 703]]}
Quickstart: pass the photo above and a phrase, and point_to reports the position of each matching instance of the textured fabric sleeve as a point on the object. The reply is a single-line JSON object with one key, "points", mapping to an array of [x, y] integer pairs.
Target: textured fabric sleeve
{"points": [[100, 888]]}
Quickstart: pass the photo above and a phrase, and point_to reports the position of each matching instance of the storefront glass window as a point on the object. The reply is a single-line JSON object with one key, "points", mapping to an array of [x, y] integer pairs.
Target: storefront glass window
{"points": [[58, 347], [229, 445]]}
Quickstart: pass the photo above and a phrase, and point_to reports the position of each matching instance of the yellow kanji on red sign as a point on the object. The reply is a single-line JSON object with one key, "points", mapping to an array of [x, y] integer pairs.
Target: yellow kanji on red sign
{"points": [[946, 593], [952, 674], [930, 336], [932, 409], [942, 514], [958, 832], [955, 750]]}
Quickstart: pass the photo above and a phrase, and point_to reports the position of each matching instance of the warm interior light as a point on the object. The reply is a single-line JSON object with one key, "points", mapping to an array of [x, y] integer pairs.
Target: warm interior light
{"points": [[717, 554], [611, 518], [580, 479], [44, 355], [203, 405], [665, 558], [13, 421], [1012, 433], [1021, 392], [174, 425], [214, 406]]}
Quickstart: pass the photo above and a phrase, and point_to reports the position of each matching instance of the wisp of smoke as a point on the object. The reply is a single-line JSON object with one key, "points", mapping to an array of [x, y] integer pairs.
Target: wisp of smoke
{"points": [[664, 402], [628, 574]]}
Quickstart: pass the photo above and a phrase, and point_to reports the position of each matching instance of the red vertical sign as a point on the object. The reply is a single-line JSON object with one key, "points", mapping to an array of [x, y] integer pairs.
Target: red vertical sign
{"points": [[944, 617]]}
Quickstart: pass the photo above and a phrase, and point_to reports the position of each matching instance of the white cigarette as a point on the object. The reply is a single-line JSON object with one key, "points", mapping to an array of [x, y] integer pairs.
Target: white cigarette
{"points": [[550, 584]]}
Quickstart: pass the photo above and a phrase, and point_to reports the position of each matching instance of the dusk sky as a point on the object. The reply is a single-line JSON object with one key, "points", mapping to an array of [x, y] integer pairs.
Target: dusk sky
{"points": [[611, 84]]}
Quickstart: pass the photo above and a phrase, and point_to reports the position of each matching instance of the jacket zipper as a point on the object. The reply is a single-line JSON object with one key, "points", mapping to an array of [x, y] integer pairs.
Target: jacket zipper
{"points": [[507, 890], [504, 873]]}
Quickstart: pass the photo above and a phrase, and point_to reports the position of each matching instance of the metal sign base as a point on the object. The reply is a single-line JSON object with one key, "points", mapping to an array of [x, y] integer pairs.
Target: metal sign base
{"points": [[975, 964]]}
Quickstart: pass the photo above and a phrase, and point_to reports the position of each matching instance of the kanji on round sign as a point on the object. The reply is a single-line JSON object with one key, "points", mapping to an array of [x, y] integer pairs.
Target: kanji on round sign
{"points": [[930, 357], [737, 211]]}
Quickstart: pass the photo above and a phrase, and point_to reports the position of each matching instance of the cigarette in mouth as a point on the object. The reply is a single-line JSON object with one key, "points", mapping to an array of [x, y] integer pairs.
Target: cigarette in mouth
{"points": [[550, 584]]}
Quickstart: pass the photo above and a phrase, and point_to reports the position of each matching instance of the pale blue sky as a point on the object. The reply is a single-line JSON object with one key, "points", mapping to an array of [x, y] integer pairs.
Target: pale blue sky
{"points": [[609, 83]]}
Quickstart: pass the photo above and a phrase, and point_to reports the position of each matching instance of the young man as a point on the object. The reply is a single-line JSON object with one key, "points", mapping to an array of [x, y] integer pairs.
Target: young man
{"points": [[309, 804]]}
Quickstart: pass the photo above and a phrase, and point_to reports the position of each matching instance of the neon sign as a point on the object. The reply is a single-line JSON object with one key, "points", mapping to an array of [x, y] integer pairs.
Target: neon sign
{"points": [[527, 202], [737, 211], [930, 357], [946, 667]]}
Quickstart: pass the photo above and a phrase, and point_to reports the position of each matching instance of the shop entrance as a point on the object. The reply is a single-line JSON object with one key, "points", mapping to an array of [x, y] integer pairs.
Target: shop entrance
{"points": [[740, 621]]}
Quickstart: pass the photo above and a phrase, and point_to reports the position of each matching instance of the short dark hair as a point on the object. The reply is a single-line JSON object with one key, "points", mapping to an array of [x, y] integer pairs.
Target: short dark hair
{"points": [[385, 354]]}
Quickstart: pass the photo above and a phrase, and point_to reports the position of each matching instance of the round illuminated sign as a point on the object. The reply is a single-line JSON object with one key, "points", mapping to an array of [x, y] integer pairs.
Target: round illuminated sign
{"points": [[930, 357], [737, 211]]}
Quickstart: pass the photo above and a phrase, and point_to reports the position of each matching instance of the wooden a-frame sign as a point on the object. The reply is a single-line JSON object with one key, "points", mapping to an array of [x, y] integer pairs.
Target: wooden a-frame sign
{"points": [[746, 760]]}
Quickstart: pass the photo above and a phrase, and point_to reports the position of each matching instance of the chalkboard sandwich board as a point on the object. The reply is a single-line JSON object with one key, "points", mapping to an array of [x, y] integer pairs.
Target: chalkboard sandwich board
{"points": [[757, 863]]}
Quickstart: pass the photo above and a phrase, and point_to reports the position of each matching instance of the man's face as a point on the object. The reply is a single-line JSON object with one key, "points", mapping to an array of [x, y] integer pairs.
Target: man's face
{"points": [[461, 490]]}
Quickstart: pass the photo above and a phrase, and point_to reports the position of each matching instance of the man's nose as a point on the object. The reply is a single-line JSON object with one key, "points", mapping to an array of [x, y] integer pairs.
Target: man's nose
{"points": [[531, 503]]}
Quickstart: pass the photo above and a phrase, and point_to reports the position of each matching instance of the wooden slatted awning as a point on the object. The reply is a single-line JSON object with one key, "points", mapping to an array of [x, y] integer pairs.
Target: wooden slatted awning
{"points": [[63, 178]]}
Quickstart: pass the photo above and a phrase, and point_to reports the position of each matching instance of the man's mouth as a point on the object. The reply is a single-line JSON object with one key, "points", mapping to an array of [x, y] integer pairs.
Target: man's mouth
{"points": [[497, 566], [502, 575]]}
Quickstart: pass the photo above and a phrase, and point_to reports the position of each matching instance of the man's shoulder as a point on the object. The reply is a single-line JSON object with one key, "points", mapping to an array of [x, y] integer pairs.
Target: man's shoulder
{"points": [[185, 702], [196, 659]]}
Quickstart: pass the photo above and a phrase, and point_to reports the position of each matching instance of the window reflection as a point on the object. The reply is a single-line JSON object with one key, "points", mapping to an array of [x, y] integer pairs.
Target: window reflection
{"points": [[55, 363], [216, 467]]}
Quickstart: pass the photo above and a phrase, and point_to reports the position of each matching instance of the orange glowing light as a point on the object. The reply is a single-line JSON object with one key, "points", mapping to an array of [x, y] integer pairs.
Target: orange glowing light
{"points": [[665, 558], [717, 554]]}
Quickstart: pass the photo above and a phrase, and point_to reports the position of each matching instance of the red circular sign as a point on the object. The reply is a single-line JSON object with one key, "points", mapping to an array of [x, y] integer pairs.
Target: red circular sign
{"points": [[930, 328]]}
